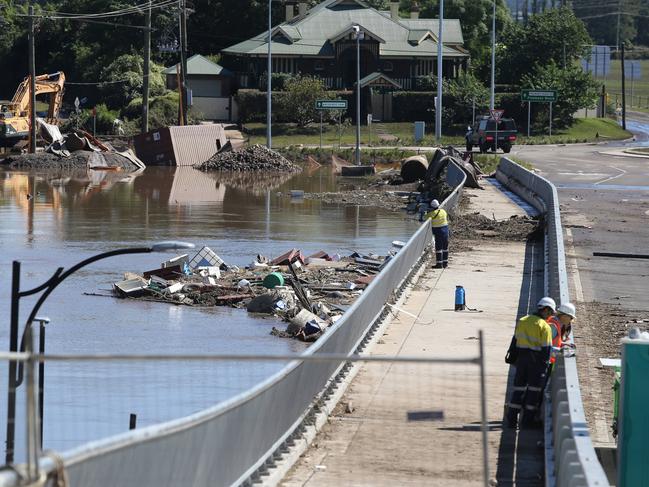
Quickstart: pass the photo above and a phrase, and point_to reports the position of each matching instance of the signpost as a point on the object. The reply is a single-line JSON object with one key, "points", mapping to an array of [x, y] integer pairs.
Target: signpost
{"points": [[538, 96], [330, 105], [496, 114], [369, 128]]}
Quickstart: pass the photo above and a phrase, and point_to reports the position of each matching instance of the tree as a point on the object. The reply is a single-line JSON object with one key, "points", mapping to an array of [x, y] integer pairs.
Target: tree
{"points": [[576, 89], [124, 80], [301, 95], [553, 36]]}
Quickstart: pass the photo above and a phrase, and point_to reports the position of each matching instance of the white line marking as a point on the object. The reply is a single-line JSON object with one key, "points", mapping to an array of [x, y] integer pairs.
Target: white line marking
{"points": [[579, 291], [622, 173]]}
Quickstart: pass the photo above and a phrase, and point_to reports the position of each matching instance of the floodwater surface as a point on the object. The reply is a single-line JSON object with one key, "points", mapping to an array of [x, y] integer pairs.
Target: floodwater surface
{"points": [[57, 218]]}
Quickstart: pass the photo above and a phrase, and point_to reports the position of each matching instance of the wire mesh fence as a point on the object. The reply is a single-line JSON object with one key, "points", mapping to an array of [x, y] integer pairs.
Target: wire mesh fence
{"points": [[398, 422]]}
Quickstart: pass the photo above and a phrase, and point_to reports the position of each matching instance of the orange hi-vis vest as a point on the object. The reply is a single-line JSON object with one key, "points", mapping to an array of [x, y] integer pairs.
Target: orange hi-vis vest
{"points": [[557, 340]]}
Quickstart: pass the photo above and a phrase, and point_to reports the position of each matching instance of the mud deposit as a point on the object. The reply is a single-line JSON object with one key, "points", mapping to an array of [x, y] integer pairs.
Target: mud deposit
{"points": [[597, 332], [475, 226]]}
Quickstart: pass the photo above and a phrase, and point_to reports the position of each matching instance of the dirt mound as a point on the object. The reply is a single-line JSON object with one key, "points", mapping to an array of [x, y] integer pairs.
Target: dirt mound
{"points": [[77, 159], [475, 226], [251, 159]]}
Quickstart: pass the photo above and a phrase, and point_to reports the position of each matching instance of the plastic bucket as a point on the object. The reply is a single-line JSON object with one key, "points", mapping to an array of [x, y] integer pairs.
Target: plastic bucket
{"points": [[273, 279]]}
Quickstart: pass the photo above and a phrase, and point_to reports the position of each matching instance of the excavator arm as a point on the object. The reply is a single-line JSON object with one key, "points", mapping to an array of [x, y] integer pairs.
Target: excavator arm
{"points": [[45, 83]]}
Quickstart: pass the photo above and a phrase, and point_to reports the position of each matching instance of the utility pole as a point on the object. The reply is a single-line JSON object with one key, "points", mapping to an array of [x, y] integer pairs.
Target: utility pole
{"points": [[269, 84], [623, 87], [492, 101], [438, 105], [183, 58], [147, 71], [32, 83], [359, 35]]}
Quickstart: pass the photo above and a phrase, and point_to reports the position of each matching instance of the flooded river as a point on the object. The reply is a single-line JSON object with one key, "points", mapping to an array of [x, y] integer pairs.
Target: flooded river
{"points": [[56, 219]]}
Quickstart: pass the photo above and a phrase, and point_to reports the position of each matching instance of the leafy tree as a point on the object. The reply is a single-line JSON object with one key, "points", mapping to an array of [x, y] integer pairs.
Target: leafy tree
{"points": [[301, 95], [124, 80], [464, 91], [601, 19], [576, 89], [552, 36]]}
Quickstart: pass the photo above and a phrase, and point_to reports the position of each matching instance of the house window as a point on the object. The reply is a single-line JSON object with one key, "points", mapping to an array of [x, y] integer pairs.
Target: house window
{"points": [[283, 65], [318, 66], [388, 66]]}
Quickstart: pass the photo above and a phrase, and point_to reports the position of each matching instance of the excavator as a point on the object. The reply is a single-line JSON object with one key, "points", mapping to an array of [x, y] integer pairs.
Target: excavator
{"points": [[14, 115]]}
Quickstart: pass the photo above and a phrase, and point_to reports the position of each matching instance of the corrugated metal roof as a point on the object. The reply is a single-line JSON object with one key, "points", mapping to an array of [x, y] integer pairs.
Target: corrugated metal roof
{"points": [[371, 78], [329, 18], [200, 65], [194, 144]]}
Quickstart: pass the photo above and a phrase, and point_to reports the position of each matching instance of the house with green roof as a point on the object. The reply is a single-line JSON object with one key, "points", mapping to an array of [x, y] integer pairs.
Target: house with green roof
{"points": [[320, 41], [209, 84]]}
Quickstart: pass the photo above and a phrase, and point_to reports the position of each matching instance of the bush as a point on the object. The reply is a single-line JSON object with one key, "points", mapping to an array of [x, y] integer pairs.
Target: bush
{"points": [[298, 104], [425, 83], [278, 81], [408, 106]]}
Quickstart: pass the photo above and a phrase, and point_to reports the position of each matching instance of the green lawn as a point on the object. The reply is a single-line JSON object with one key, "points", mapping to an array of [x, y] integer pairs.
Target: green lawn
{"points": [[288, 134], [284, 135], [489, 162], [639, 88], [583, 130]]}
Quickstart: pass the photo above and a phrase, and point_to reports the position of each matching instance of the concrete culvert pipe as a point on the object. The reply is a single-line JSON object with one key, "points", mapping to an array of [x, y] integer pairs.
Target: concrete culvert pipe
{"points": [[414, 168]]}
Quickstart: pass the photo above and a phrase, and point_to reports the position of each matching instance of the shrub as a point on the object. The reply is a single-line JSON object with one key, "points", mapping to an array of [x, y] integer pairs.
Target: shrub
{"points": [[408, 106]]}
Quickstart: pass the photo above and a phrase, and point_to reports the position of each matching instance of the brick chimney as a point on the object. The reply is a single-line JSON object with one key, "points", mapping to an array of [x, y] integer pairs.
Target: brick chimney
{"points": [[414, 11], [394, 10]]}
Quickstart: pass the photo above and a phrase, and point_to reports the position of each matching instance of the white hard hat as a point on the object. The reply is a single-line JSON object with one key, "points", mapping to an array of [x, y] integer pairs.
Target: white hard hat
{"points": [[567, 309], [434, 204], [547, 303]]}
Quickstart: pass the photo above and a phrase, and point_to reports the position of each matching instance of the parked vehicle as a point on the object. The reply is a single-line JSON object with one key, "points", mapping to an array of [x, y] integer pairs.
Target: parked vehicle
{"points": [[484, 135]]}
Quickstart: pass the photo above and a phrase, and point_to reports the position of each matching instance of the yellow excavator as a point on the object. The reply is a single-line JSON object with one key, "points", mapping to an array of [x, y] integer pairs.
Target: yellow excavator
{"points": [[14, 115]]}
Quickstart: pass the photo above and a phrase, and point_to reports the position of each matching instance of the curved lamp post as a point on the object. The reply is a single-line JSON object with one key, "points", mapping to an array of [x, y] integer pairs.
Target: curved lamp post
{"points": [[16, 372]]}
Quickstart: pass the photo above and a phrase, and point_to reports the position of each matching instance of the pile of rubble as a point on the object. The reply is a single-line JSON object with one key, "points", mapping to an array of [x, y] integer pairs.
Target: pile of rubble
{"points": [[310, 293], [253, 158]]}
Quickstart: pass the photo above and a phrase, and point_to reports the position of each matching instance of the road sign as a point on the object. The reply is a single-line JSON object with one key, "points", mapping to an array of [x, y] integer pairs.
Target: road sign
{"points": [[496, 114], [539, 95], [598, 61], [632, 70], [331, 104]]}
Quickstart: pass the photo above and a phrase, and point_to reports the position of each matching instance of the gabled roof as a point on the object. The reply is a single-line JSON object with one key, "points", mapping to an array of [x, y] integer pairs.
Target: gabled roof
{"points": [[200, 65], [315, 33], [347, 31], [378, 79]]}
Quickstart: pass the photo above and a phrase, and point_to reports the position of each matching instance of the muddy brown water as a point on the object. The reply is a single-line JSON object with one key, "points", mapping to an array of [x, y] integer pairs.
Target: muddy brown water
{"points": [[72, 215]]}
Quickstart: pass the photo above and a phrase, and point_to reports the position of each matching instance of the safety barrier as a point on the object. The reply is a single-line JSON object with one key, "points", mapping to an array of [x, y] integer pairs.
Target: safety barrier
{"points": [[570, 456], [231, 443]]}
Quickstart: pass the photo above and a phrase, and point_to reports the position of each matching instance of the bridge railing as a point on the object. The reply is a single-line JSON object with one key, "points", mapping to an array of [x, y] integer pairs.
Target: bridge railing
{"points": [[230, 443], [570, 456]]}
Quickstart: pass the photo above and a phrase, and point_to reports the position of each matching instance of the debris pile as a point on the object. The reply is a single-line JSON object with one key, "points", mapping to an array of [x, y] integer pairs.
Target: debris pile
{"points": [[253, 158], [74, 150], [475, 226], [309, 293]]}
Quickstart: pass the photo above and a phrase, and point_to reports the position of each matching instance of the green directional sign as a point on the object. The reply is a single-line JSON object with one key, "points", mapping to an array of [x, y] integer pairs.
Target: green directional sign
{"points": [[331, 104], [539, 95]]}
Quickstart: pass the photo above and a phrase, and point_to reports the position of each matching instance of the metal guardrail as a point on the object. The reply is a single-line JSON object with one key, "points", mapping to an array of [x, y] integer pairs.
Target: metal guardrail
{"points": [[570, 456], [229, 444]]}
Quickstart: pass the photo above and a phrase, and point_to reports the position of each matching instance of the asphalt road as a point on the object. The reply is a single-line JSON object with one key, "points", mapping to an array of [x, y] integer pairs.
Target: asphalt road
{"points": [[604, 196]]}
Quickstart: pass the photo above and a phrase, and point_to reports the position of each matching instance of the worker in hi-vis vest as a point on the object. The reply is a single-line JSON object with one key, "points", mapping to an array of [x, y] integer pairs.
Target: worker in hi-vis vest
{"points": [[531, 345], [561, 326], [439, 222]]}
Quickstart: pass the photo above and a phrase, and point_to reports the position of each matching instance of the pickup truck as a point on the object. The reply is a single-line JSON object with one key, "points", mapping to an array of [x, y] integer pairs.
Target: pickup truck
{"points": [[483, 134]]}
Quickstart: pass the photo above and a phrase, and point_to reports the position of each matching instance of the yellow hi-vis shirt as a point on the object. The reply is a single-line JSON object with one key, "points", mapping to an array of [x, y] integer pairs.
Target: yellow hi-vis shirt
{"points": [[533, 333], [438, 218]]}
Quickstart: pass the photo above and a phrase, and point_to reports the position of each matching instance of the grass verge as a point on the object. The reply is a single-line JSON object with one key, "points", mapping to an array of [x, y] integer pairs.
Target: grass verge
{"points": [[583, 130], [489, 162]]}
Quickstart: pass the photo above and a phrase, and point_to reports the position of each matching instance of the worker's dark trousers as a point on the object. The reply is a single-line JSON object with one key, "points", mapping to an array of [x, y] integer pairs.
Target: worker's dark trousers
{"points": [[441, 245], [529, 380]]}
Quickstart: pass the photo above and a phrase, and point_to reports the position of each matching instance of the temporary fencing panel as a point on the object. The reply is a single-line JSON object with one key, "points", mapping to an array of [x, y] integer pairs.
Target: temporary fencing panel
{"points": [[571, 459]]}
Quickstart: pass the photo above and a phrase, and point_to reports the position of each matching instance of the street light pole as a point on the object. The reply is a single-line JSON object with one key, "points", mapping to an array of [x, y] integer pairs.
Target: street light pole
{"points": [[492, 101], [269, 138], [438, 105], [15, 378], [359, 36]]}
